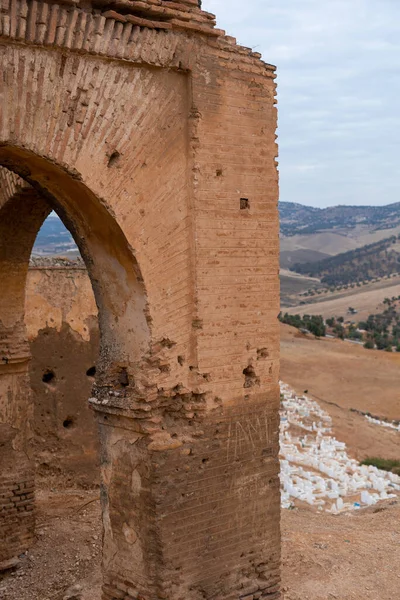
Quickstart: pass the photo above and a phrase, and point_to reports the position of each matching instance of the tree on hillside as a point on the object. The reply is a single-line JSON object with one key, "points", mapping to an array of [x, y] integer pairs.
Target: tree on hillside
{"points": [[312, 323], [315, 325]]}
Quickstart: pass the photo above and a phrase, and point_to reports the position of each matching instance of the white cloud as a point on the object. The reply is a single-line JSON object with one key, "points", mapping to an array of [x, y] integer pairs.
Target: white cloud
{"points": [[338, 74]]}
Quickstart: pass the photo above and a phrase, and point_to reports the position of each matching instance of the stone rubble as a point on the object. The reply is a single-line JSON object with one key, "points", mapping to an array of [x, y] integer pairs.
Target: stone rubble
{"points": [[315, 467], [52, 262]]}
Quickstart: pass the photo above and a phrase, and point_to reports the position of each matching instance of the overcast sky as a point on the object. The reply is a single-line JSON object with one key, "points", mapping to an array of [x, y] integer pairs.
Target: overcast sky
{"points": [[339, 93]]}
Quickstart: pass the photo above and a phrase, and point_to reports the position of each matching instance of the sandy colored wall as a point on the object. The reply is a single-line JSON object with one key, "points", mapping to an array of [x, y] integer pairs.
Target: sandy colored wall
{"points": [[61, 319], [153, 136]]}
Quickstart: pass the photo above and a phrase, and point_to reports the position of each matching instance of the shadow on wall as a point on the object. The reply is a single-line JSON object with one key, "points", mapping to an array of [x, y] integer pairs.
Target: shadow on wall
{"points": [[61, 319]]}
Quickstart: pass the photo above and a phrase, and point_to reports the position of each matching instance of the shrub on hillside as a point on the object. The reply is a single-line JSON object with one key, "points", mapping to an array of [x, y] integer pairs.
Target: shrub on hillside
{"points": [[383, 463]]}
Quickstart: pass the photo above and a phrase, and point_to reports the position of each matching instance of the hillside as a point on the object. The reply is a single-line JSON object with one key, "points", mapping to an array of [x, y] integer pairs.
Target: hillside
{"points": [[366, 300], [299, 219], [312, 235], [341, 377], [362, 264], [338, 556]]}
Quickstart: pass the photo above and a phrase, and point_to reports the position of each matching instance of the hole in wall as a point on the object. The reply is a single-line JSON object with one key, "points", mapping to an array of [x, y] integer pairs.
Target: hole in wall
{"points": [[218, 172], [250, 377], [123, 377], [68, 422], [48, 376], [114, 159], [244, 204], [197, 324], [91, 372]]}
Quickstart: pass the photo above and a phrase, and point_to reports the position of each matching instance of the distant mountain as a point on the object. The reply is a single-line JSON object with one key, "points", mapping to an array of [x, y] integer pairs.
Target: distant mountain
{"points": [[297, 219], [53, 238]]}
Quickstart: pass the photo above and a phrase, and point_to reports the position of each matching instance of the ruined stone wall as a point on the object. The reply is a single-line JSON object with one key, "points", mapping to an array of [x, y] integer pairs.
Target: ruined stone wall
{"points": [[153, 135], [16, 503], [61, 319]]}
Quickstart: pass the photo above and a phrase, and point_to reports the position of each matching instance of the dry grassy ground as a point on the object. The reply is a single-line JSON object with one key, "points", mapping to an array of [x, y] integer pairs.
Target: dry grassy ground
{"points": [[330, 242], [350, 556], [293, 284]]}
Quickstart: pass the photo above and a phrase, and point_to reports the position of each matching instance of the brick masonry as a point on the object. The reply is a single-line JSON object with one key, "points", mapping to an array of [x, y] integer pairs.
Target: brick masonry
{"points": [[16, 514], [153, 135]]}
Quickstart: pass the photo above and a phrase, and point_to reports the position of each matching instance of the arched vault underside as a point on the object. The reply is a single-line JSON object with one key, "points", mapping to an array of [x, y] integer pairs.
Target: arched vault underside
{"points": [[152, 134]]}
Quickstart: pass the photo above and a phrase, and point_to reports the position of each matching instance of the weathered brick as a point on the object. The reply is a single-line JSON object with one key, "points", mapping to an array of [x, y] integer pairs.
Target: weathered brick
{"points": [[155, 137]]}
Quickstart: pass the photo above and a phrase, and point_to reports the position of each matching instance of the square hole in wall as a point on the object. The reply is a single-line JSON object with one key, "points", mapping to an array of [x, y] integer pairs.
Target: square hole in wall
{"points": [[244, 204]]}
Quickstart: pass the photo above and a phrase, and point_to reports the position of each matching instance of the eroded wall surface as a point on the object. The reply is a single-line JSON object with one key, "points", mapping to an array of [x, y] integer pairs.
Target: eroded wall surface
{"points": [[153, 135], [61, 319]]}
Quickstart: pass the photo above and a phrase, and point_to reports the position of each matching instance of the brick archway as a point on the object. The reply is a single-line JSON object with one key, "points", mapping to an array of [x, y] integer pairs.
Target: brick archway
{"points": [[154, 135]]}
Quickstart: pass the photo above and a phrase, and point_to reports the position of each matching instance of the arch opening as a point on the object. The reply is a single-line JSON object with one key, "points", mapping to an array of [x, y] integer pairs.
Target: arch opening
{"points": [[113, 270], [31, 189]]}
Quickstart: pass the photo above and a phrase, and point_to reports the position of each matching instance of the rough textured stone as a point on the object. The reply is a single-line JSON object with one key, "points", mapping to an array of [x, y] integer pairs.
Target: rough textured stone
{"points": [[155, 142], [62, 328]]}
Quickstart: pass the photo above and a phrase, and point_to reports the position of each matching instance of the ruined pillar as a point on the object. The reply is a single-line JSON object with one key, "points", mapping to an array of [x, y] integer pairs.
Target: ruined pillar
{"points": [[155, 133], [22, 212], [17, 520], [190, 487]]}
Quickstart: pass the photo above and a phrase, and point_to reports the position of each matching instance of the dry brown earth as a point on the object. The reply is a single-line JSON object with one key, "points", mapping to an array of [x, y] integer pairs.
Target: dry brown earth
{"points": [[325, 557], [331, 242], [344, 376], [65, 560], [352, 556]]}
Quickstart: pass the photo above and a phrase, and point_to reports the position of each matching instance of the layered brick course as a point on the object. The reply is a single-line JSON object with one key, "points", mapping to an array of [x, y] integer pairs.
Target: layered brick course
{"points": [[153, 135], [16, 516]]}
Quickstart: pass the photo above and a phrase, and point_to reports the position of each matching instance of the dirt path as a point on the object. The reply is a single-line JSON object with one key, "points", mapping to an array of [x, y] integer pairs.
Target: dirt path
{"points": [[354, 556], [66, 553]]}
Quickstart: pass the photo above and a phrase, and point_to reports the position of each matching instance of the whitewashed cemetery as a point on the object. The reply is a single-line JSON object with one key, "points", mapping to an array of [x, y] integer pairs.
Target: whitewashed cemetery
{"points": [[315, 467], [388, 424]]}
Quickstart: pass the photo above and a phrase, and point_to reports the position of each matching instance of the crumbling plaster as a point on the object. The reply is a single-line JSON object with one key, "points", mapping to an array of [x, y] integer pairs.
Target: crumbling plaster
{"points": [[153, 136]]}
